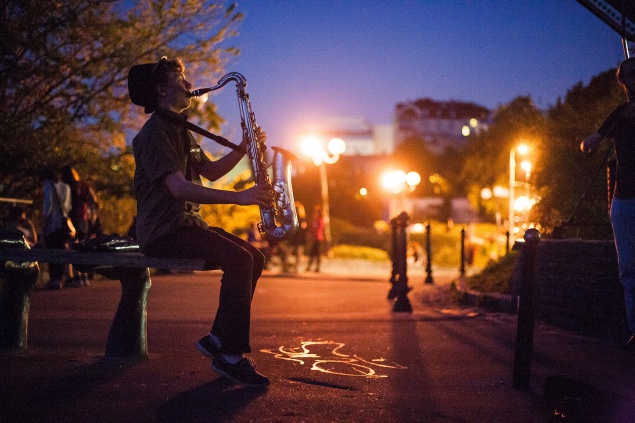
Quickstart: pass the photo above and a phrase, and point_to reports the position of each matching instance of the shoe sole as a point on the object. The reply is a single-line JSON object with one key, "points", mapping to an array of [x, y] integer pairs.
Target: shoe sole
{"points": [[203, 350], [239, 382]]}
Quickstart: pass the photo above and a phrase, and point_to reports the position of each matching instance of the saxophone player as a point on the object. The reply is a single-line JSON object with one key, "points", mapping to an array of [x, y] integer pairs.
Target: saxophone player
{"points": [[169, 193]]}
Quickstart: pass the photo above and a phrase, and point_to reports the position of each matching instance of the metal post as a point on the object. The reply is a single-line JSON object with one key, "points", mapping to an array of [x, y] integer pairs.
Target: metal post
{"points": [[512, 191], [429, 278], [326, 213], [462, 267], [506, 242], [526, 311], [399, 278]]}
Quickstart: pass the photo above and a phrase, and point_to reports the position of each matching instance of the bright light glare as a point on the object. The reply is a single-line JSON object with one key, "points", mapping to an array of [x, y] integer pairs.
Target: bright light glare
{"points": [[336, 146], [473, 123], [363, 191], [417, 228], [522, 149], [311, 146], [486, 193], [394, 181], [501, 192], [465, 131], [526, 166], [413, 178], [524, 204]]}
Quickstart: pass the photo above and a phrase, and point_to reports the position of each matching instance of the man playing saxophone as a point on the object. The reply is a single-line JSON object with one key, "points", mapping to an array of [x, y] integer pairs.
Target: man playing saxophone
{"points": [[168, 188]]}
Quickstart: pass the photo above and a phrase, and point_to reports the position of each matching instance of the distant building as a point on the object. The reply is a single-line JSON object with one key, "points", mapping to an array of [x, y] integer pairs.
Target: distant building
{"points": [[440, 124], [361, 138]]}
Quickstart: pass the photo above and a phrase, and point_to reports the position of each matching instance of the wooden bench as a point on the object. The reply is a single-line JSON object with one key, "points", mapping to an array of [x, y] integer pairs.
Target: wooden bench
{"points": [[127, 338]]}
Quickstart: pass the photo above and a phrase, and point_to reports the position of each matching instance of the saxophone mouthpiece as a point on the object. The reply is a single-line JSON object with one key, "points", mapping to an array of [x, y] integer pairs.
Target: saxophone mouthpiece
{"points": [[199, 92]]}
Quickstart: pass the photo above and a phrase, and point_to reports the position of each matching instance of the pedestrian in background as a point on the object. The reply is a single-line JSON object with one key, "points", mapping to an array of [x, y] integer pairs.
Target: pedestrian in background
{"points": [[298, 239], [55, 209], [82, 199], [316, 230], [18, 222], [619, 127]]}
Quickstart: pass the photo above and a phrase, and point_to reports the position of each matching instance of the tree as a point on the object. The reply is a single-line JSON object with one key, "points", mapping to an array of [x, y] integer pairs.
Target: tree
{"points": [[566, 174], [63, 94], [487, 156]]}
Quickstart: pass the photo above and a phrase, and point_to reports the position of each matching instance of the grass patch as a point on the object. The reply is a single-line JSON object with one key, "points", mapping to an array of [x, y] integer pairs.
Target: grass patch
{"points": [[496, 276]]}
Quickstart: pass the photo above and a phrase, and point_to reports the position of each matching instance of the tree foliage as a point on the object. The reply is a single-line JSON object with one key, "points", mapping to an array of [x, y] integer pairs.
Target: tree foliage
{"points": [[487, 156], [567, 178], [63, 91], [566, 181]]}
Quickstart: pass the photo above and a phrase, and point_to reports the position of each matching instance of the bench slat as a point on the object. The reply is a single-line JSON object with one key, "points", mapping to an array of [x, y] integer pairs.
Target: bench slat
{"points": [[118, 259]]}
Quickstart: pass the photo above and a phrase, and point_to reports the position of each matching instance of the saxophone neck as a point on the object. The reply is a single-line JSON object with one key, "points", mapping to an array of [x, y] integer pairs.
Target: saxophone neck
{"points": [[241, 84]]}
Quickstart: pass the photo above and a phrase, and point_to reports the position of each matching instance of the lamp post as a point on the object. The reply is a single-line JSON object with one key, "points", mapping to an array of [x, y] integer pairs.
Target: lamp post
{"points": [[399, 182], [522, 149], [312, 147]]}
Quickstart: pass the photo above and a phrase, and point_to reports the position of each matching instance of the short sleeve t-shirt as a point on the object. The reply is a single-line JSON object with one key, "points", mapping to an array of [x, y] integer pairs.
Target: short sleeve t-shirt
{"points": [[163, 147], [621, 129]]}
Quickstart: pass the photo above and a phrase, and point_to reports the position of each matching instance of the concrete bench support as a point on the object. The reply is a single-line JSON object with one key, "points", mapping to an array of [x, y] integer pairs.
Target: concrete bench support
{"points": [[17, 281], [128, 333]]}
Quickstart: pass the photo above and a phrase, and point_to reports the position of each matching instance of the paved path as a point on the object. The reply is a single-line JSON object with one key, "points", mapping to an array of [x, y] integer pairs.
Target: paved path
{"points": [[330, 344]]}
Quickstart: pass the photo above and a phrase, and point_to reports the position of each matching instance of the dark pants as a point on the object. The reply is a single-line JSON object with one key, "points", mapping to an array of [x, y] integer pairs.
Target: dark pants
{"points": [[56, 240], [315, 253], [241, 264]]}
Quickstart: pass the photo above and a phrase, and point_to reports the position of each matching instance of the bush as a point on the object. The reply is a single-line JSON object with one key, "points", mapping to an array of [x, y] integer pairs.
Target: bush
{"points": [[358, 252], [345, 233], [497, 276]]}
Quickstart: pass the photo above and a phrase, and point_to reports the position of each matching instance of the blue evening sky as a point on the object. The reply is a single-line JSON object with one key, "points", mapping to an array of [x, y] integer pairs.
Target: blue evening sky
{"points": [[306, 61]]}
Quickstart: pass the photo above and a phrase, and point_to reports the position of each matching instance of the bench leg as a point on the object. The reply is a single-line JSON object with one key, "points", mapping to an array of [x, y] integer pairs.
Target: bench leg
{"points": [[16, 285], [128, 337]]}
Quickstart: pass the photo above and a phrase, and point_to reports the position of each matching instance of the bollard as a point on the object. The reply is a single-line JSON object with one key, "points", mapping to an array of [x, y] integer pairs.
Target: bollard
{"points": [[399, 278], [462, 267], [506, 242], [526, 311], [17, 281], [429, 278]]}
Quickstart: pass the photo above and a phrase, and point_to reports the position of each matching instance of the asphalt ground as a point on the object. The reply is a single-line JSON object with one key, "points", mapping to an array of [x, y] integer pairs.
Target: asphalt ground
{"points": [[331, 345]]}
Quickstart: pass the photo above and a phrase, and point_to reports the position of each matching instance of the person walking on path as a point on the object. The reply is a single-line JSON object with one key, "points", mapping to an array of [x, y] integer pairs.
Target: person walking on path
{"points": [[316, 229], [18, 222], [169, 191], [55, 210], [298, 239], [82, 201], [619, 127]]}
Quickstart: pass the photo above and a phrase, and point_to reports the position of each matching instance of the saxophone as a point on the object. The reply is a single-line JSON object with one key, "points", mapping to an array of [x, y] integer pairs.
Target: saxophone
{"points": [[280, 220]]}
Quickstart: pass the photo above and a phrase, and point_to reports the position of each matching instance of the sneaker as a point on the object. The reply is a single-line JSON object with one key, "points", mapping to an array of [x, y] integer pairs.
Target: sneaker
{"points": [[243, 373], [207, 347]]}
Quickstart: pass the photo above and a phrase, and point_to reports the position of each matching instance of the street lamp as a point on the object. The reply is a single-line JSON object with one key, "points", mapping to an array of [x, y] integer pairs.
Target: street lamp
{"points": [[398, 181], [522, 150], [312, 147]]}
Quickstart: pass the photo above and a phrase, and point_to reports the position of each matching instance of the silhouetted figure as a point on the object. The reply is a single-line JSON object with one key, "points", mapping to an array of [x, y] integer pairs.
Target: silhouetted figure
{"points": [[619, 127], [316, 229]]}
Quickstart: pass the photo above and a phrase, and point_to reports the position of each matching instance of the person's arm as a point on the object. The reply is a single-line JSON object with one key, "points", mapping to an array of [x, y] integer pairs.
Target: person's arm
{"points": [[219, 168], [47, 206], [590, 142], [185, 190]]}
